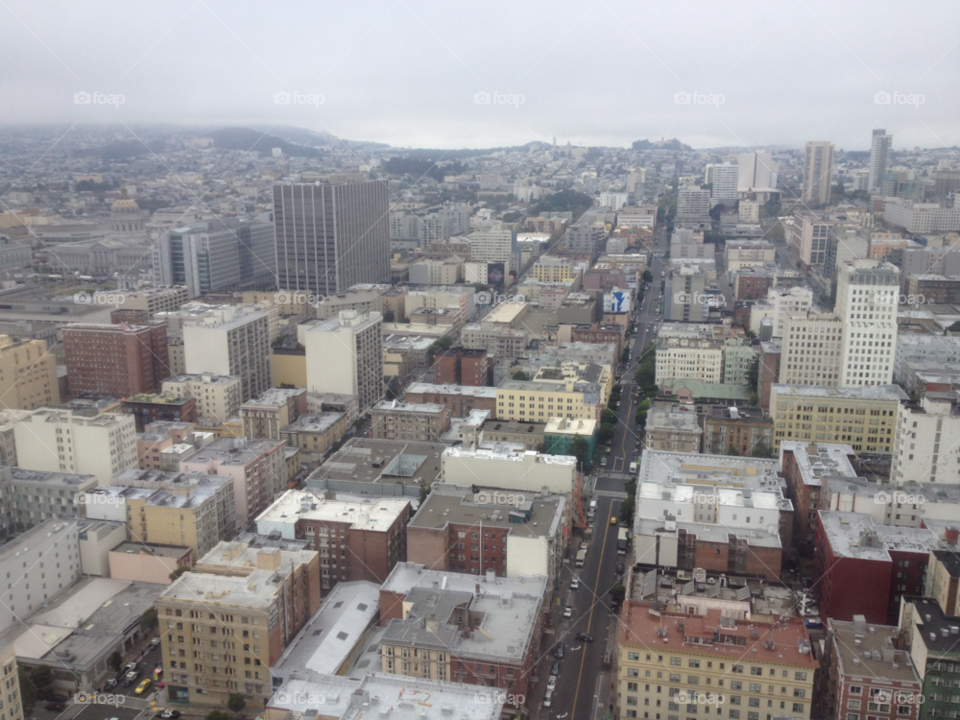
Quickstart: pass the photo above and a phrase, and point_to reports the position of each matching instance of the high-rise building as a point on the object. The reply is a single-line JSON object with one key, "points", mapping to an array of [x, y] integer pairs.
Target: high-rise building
{"points": [[218, 396], [56, 440], [817, 169], [867, 297], [757, 175], [723, 182], [331, 235], [927, 441], [217, 256], [493, 245], [28, 374], [9, 683], [119, 360], [811, 349], [693, 204], [880, 145], [344, 355]]}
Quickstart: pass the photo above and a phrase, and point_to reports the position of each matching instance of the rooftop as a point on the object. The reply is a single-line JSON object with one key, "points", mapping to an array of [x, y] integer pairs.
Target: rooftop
{"points": [[466, 390], [234, 451], [534, 517], [396, 406], [156, 549], [380, 462], [360, 513], [275, 397], [816, 460], [672, 416], [866, 392], [856, 535], [705, 532], [314, 423], [938, 631], [41, 477], [865, 649]]}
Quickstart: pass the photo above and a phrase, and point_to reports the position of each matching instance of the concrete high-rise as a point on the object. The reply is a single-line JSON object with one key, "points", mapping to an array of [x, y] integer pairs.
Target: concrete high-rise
{"points": [[867, 296], [757, 175], [332, 235], [28, 374], [120, 360], [817, 169], [723, 181], [879, 155], [344, 355]]}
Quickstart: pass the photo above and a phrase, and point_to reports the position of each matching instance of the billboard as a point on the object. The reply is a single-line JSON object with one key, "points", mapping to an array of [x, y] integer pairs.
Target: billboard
{"points": [[616, 301], [496, 273]]}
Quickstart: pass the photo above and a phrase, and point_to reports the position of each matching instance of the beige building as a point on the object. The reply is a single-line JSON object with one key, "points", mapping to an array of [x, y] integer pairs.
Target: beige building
{"points": [[812, 346], [344, 355], [148, 562], [673, 427], [28, 375], [943, 580], [863, 417], [551, 268], [540, 401], [218, 396], [671, 662], [225, 623], [265, 416], [11, 706], [315, 433], [167, 298], [394, 420], [59, 441]]}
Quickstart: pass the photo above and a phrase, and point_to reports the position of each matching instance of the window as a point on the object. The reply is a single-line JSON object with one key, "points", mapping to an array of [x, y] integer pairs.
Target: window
{"points": [[675, 661]]}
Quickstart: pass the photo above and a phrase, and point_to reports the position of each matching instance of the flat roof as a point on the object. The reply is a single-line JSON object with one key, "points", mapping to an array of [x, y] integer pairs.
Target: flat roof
{"points": [[369, 460], [816, 460], [706, 532], [145, 548], [533, 517], [465, 390], [867, 649], [377, 514], [865, 392]]}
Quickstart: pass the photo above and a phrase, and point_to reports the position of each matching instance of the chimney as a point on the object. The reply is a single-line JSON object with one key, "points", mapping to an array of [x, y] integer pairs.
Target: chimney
{"points": [[952, 533], [859, 624]]}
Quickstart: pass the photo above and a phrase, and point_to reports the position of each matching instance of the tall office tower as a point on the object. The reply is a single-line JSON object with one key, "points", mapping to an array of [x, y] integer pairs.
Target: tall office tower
{"points": [[723, 180], [879, 154], [121, 360], [811, 349], [693, 204], [344, 355], [817, 168], [218, 256], [333, 234], [867, 295], [757, 173]]}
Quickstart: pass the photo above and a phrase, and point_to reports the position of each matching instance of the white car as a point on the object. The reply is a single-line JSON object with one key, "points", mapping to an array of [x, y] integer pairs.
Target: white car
{"points": [[568, 611], [575, 584], [552, 682]]}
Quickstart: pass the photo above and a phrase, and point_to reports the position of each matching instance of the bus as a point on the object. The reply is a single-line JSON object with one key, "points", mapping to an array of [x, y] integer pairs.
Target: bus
{"points": [[622, 541]]}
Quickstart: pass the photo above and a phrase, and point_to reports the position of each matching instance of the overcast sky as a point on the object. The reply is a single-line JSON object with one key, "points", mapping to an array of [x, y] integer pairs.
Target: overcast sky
{"points": [[408, 73]]}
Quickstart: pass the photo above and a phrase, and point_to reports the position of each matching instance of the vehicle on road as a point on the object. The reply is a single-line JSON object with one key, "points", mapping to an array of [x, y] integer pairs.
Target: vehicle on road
{"points": [[622, 539], [575, 584], [548, 698], [583, 636], [552, 682], [131, 677], [568, 611], [558, 652], [633, 467], [143, 686], [55, 706], [581, 558], [155, 643], [613, 520], [603, 462], [619, 568], [555, 669], [170, 714], [131, 666], [583, 545], [110, 684], [158, 670]]}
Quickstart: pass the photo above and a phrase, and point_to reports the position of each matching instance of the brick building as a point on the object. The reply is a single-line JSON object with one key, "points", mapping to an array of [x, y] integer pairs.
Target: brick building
{"points": [[769, 370], [394, 420], [462, 366], [744, 429], [120, 360], [150, 408]]}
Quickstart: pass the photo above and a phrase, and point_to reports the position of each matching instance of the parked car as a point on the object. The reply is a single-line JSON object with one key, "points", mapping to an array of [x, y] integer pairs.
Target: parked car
{"points": [[568, 611], [555, 669], [548, 698], [558, 652], [155, 643], [583, 636], [613, 520], [170, 714], [583, 545], [158, 670], [551, 682], [110, 684], [619, 568], [575, 584], [131, 677]]}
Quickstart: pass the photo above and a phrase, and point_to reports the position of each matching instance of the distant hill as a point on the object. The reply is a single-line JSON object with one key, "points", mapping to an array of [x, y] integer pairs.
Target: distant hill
{"points": [[673, 144], [297, 135], [247, 139]]}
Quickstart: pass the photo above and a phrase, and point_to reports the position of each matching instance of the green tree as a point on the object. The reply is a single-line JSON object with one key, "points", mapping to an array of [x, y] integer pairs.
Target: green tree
{"points": [[28, 691], [236, 702], [218, 715], [617, 593], [608, 416], [754, 400], [733, 450], [753, 374], [605, 432], [149, 621], [115, 660], [625, 356], [178, 572], [647, 276], [520, 375], [41, 676], [626, 510], [580, 449], [762, 450]]}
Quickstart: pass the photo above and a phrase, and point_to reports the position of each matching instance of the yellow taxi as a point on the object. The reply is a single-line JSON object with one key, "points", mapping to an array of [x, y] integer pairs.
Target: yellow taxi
{"points": [[143, 686], [613, 520]]}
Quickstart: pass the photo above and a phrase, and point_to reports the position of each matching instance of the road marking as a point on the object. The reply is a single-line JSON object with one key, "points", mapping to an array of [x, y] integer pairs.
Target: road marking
{"points": [[583, 658]]}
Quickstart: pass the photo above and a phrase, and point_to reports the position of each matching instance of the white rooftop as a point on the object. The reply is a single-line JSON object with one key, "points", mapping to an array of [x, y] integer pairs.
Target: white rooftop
{"points": [[362, 514]]}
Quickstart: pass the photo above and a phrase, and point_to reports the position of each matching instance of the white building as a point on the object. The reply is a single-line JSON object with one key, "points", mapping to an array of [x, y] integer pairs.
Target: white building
{"points": [[723, 179], [811, 349], [693, 204], [927, 441], [921, 217], [757, 174], [614, 200], [509, 467], [867, 296], [817, 171], [218, 396], [749, 212], [56, 440], [230, 340], [791, 301], [343, 355], [880, 145], [492, 245], [54, 542], [690, 358], [914, 347], [748, 253]]}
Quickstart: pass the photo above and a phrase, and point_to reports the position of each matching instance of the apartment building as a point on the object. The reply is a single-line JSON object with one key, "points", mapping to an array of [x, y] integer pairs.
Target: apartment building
{"points": [[494, 339], [863, 417], [748, 253], [344, 355], [926, 439], [55, 440], [551, 268], [810, 235], [457, 627], [817, 173], [355, 539], [672, 427], [943, 579], [266, 415], [462, 366], [915, 217], [394, 420], [28, 375], [315, 434], [866, 674], [699, 358], [930, 635], [150, 300], [120, 360], [163, 435], [218, 396], [493, 245], [228, 620], [148, 408], [743, 429], [867, 297], [693, 204], [436, 272], [255, 466], [540, 401], [508, 467], [811, 349], [29, 497], [672, 662], [460, 400], [12, 708]]}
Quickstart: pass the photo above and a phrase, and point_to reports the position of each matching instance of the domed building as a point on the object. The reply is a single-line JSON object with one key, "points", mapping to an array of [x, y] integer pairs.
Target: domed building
{"points": [[126, 216]]}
